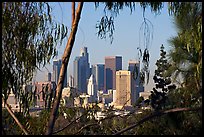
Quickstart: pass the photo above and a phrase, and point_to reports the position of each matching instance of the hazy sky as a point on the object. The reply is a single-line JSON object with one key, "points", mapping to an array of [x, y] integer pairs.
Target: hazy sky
{"points": [[126, 35]]}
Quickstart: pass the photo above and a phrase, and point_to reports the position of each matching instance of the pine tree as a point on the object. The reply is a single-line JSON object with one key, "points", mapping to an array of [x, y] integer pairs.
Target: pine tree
{"points": [[162, 82]]}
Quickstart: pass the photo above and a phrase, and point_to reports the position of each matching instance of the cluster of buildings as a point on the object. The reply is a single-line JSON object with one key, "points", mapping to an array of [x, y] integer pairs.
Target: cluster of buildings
{"points": [[106, 84]]}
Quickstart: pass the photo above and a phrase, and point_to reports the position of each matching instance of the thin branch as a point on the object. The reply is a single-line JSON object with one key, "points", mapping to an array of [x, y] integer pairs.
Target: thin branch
{"points": [[97, 123], [109, 117], [14, 117], [91, 124], [69, 124], [155, 114]]}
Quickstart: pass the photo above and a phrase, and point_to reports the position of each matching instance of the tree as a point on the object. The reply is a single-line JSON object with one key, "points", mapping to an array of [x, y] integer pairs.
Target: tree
{"points": [[162, 81], [29, 39], [65, 60], [105, 26], [185, 54], [186, 51]]}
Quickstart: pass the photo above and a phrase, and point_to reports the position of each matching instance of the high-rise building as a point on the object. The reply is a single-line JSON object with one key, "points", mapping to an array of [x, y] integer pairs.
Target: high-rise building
{"points": [[91, 88], [125, 96], [81, 71], [57, 63], [98, 72], [112, 64], [84, 54], [134, 67]]}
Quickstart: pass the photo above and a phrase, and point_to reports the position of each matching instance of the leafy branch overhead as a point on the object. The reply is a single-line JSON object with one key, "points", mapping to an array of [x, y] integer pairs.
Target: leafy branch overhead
{"points": [[29, 40]]}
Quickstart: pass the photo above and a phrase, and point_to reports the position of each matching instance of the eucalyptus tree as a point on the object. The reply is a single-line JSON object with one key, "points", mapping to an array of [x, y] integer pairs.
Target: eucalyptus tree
{"points": [[29, 40]]}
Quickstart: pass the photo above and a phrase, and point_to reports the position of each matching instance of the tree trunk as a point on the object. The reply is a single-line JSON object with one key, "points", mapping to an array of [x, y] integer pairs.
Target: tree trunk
{"points": [[65, 60]]}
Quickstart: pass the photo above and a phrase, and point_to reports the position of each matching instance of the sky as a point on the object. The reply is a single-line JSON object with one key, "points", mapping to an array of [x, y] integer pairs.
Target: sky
{"points": [[126, 36]]}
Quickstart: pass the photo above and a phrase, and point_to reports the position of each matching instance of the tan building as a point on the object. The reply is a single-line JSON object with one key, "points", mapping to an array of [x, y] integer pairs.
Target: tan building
{"points": [[124, 94]]}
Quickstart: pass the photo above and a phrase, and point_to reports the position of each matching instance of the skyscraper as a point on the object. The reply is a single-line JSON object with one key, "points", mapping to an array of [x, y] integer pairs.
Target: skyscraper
{"points": [[98, 72], [81, 71], [112, 64], [133, 65], [125, 96], [57, 63]]}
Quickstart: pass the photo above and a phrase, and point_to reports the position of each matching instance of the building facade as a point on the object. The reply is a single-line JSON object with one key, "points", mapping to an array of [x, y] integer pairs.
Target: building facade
{"points": [[98, 73], [92, 88], [44, 90], [125, 96], [112, 64], [134, 67], [81, 71], [57, 63]]}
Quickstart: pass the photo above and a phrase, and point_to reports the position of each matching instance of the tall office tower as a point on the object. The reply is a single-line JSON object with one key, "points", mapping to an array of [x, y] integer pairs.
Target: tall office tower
{"points": [[48, 76], [85, 55], [91, 88], [124, 94], [57, 63], [81, 71], [98, 72], [112, 64], [71, 81], [133, 65]]}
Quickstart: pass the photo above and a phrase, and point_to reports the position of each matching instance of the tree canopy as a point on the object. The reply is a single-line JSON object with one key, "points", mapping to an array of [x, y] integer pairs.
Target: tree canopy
{"points": [[29, 40]]}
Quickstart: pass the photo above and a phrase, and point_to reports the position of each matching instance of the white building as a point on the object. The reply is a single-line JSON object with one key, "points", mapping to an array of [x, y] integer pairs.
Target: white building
{"points": [[92, 88], [68, 95]]}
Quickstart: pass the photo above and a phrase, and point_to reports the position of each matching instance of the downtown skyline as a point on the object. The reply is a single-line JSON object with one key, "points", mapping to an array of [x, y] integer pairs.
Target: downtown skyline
{"points": [[126, 36]]}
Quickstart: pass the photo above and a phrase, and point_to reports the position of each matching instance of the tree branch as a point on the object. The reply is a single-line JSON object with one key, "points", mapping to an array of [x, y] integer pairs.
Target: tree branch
{"points": [[73, 12], [109, 117], [91, 124], [155, 114], [65, 60], [69, 124]]}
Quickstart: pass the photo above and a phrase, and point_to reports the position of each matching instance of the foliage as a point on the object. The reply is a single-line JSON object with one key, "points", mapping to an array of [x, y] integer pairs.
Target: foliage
{"points": [[163, 82], [29, 40], [139, 101], [186, 51], [185, 56]]}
